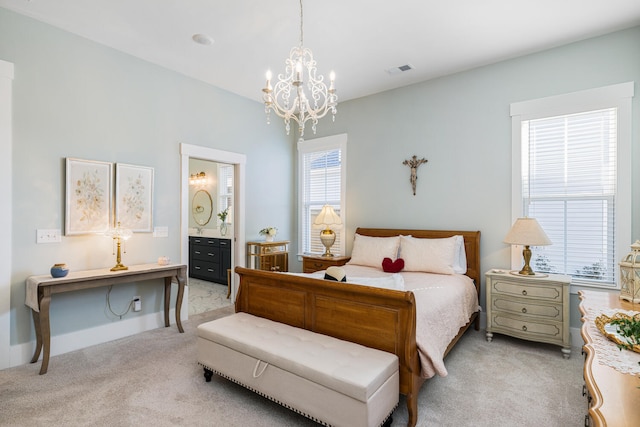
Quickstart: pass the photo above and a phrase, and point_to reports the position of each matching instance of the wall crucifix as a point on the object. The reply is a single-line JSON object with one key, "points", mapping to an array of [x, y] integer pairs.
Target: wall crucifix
{"points": [[413, 163]]}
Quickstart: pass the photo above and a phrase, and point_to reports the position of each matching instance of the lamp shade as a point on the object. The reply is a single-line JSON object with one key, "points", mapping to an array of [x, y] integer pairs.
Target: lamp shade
{"points": [[327, 218], [527, 231]]}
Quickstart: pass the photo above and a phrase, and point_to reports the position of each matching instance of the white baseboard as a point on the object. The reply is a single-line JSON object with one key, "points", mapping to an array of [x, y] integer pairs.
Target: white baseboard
{"points": [[60, 344]]}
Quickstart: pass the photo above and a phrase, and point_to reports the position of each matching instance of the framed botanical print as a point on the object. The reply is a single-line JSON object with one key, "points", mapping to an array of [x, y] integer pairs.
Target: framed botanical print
{"points": [[88, 196], [134, 197]]}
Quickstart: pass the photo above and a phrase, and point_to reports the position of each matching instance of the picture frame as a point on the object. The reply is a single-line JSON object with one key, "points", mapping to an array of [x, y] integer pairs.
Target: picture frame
{"points": [[134, 197], [88, 196]]}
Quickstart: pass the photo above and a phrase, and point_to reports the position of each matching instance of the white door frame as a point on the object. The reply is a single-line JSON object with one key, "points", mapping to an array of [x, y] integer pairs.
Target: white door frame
{"points": [[239, 161], [6, 144]]}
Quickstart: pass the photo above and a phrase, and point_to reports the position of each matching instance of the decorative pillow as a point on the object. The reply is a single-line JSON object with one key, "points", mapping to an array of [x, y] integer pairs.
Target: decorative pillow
{"points": [[370, 251], [428, 255], [389, 266], [335, 273]]}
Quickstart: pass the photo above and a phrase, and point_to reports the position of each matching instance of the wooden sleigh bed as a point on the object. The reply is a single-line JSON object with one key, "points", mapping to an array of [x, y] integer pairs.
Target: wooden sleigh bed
{"points": [[374, 317]]}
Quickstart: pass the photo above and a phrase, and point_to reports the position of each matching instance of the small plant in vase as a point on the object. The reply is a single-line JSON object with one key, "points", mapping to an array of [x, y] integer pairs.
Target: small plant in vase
{"points": [[269, 233], [223, 218]]}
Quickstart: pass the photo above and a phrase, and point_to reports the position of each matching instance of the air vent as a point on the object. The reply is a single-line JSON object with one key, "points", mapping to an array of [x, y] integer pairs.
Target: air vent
{"points": [[401, 69]]}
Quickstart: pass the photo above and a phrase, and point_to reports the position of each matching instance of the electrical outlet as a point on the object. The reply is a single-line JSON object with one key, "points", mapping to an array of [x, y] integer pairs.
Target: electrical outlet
{"points": [[48, 236], [137, 304]]}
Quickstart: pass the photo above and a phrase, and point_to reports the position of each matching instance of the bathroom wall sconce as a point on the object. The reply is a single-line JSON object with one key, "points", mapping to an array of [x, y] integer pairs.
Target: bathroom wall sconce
{"points": [[198, 179]]}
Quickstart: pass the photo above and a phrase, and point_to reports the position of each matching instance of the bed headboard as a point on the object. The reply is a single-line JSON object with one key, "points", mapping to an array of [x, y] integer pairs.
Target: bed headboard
{"points": [[471, 244]]}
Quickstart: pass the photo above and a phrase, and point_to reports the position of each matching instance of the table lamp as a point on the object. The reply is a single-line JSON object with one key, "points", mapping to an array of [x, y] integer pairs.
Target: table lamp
{"points": [[527, 232], [327, 220], [119, 234]]}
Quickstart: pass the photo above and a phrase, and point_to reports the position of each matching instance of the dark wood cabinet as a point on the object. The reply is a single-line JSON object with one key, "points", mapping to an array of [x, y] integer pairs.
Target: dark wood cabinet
{"points": [[209, 259]]}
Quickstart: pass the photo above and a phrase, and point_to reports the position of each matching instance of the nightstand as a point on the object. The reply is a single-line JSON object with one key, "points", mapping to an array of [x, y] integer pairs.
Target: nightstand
{"points": [[313, 263], [532, 308], [268, 256]]}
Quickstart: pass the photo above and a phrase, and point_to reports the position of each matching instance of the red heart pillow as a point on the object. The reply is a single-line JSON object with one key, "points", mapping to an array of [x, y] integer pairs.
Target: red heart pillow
{"points": [[389, 266]]}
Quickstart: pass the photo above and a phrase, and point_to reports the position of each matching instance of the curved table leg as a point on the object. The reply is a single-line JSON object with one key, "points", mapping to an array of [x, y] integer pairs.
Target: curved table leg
{"points": [[167, 300], [181, 277], [36, 325], [45, 330]]}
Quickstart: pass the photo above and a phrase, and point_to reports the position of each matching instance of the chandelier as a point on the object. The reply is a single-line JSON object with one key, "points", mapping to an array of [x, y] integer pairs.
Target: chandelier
{"points": [[299, 94]]}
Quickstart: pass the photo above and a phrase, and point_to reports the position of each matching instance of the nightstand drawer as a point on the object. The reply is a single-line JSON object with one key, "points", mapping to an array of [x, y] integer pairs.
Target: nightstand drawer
{"points": [[524, 307], [547, 292], [313, 263], [523, 328]]}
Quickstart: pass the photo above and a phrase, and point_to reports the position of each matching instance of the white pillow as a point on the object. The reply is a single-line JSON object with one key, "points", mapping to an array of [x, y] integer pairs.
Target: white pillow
{"points": [[429, 255], [370, 251], [395, 282], [460, 261]]}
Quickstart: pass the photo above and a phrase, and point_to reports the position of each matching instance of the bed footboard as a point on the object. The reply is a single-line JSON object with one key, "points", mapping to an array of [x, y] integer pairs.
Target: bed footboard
{"points": [[374, 317]]}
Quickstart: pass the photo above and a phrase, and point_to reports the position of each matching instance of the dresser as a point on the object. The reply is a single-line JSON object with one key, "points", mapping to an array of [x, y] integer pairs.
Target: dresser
{"points": [[209, 259], [313, 263], [269, 256], [532, 308], [613, 397]]}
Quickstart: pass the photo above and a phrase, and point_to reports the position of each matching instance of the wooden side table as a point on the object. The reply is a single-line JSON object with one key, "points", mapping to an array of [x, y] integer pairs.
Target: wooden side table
{"points": [[269, 256], [313, 263], [532, 308], [613, 397]]}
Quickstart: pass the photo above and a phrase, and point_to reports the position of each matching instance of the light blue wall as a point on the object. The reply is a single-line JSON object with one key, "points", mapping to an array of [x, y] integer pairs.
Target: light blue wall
{"points": [[75, 98], [461, 124]]}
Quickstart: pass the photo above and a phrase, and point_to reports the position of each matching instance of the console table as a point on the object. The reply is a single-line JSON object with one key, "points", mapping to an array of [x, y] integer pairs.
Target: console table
{"points": [[613, 397], [40, 288]]}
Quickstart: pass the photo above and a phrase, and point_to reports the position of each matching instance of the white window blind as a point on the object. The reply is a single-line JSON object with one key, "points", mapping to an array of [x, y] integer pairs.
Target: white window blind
{"points": [[322, 169], [225, 190], [569, 185]]}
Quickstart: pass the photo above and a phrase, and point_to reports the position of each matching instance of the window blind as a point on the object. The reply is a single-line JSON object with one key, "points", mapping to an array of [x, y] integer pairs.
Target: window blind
{"points": [[569, 185], [322, 184]]}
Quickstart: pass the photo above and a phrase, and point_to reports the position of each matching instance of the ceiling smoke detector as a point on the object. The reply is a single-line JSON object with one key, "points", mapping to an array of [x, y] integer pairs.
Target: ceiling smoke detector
{"points": [[401, 69]]}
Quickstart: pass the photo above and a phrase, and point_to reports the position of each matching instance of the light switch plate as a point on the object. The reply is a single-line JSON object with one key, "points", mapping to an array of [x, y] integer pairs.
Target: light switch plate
{"points": [[48, 236], [160, 231]]}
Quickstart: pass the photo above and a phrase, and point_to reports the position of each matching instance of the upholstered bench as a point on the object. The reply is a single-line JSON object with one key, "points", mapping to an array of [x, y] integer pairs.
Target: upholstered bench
{"points": [[331, 381]]}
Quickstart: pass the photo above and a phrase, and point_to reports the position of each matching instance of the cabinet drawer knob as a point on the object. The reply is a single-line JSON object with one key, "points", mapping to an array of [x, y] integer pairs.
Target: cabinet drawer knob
{"points": [[524, 292], [196, 252], [210, 254], [197, 267], [524, 328], [524, 309]]}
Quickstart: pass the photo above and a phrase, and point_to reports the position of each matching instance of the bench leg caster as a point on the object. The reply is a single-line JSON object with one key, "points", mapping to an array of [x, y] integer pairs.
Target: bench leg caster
{"points": [[388, 422], [207, 375]]}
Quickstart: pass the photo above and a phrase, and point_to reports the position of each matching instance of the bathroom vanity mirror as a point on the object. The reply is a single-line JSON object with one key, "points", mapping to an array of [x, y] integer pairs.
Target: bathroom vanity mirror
{"points": [[202, 207]]}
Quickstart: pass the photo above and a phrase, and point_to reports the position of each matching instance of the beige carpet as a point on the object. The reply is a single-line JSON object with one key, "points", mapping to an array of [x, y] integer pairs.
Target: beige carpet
{"points": [[153, 379]]}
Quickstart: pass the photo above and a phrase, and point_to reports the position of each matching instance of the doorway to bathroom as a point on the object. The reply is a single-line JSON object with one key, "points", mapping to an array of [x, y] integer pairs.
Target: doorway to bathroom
{"points": [[212, 188]]}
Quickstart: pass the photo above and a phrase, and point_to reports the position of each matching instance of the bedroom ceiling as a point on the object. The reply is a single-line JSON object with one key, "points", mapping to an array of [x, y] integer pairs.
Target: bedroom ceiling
{"points": [[359, 40]]}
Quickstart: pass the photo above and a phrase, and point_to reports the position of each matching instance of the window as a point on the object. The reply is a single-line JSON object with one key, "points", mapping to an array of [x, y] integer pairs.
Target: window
{"points": [[321, 170], [572, 173], [225, 190]]}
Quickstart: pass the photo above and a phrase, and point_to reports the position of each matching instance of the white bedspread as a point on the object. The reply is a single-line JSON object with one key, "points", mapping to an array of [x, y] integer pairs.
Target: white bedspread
{"points": [[444, 303]]}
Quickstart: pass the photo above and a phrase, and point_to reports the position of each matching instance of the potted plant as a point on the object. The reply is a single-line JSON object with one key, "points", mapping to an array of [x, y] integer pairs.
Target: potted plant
{"points": [[269, 233]]}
